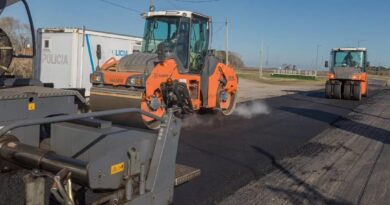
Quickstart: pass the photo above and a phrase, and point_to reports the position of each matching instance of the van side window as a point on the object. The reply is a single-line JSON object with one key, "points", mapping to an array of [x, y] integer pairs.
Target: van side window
{"points": [[46, 44]]}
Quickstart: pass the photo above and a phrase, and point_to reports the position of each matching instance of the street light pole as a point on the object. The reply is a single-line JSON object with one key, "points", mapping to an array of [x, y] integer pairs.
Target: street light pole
{"points": [[261, 60], [227, 41]]}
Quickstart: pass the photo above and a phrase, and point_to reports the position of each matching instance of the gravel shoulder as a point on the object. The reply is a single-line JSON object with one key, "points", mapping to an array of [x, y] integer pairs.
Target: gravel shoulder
{"points": [[253, 90]]}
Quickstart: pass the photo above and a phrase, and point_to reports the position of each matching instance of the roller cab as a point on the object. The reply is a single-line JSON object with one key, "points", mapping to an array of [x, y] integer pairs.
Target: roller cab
{"points": [[347, 77]]}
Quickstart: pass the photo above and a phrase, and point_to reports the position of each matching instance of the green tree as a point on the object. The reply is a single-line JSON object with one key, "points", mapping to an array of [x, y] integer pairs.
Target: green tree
{"points": [[20, 37], [234, 58]]}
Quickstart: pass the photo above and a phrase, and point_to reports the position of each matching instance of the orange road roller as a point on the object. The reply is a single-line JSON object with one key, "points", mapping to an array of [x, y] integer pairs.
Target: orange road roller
{"points": [[175, 67], [347, 77]]}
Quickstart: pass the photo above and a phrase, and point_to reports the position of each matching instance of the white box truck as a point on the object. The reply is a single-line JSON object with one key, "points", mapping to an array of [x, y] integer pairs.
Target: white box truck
{"points": [[67, 56]]}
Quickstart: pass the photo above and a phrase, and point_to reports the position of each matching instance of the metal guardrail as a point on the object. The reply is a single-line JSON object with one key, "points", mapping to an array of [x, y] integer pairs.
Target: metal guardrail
{"points": [[312, 73]]}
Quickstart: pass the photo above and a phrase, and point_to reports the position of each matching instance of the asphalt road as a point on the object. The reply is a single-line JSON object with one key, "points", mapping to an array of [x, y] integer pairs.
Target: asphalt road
{"points": [[232, 151]]}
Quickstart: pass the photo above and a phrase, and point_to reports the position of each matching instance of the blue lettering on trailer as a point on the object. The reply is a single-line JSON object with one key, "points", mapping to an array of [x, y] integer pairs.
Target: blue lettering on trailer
{"points": [[90, 53], [120, 53]]}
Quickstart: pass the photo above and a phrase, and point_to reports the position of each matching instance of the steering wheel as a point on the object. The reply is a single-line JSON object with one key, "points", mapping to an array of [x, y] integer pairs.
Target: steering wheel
{"points": [[6, 52]]}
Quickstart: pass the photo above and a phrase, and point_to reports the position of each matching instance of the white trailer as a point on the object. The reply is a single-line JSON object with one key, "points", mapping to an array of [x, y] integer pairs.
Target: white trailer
{"points": [[67, 56]]}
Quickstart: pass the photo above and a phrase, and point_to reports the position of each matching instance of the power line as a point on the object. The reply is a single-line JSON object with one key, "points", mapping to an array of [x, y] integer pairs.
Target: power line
{"points": [[196, 1], [220, 22], [173, 4], [219, 29], [122, 6]]}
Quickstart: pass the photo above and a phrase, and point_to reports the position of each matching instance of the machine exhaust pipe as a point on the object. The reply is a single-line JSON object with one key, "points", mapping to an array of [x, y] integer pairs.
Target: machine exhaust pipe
{"points": [[34, 158]]}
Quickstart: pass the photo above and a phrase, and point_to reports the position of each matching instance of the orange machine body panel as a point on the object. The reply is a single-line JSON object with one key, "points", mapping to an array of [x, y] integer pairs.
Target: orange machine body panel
{"points": [[110, 64], [232, 83], [363, 83], [168, 70], [118, 78], [362, 77]]}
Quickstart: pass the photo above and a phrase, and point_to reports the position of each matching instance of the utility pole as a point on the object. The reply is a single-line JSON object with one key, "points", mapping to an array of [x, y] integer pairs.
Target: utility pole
{"points": [[227, 42], [151, 5], [318, 47], [261, 59]]}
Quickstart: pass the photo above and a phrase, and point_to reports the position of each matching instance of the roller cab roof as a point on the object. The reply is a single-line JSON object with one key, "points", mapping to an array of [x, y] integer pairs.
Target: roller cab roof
{"points": [[178, 13], [349, 49]]}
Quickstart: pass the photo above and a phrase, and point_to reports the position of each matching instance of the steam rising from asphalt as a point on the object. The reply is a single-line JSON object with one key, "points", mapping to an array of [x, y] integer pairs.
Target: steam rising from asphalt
{"points": [[251, 109], [195, 119], [243, 110]]}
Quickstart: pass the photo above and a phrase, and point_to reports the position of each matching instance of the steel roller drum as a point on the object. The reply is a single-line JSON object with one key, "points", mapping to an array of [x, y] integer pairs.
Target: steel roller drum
{"points": [[113, 98]]}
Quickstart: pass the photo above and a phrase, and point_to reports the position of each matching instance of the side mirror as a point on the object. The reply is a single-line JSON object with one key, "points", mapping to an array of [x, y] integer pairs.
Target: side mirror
{"points": [[99, 51], [368, 64], [326, 64]]}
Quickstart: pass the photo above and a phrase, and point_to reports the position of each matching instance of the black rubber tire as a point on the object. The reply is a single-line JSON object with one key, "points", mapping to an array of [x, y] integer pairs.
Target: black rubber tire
{"points": [[337, 90], [357, 94], [347, 91], [328, 90]]}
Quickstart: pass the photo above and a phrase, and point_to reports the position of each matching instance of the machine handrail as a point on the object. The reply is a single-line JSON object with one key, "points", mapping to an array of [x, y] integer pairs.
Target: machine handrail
{"points": [[76, 116]]}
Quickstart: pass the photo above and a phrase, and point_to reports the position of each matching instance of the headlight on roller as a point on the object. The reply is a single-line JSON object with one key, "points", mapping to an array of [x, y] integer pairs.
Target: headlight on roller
{"points": [[97, 78], [331, 76], [356, 77], [135, 81]]}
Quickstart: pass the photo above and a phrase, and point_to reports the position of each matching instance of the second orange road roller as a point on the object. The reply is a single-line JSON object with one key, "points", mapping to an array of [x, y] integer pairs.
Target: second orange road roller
{"points": [[347, 78], [175, 67]]}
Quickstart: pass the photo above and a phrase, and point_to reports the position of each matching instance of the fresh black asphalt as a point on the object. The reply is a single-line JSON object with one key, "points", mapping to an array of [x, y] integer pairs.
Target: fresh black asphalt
{"points": [[232, 151]]}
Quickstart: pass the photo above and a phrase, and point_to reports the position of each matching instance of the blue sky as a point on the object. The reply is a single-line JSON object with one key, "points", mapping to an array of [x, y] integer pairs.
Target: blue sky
{"points": [[291, 29]]}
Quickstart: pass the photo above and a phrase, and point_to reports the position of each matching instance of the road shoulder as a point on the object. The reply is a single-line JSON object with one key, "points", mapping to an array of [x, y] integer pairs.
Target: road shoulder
{"points": [[254, 90]]}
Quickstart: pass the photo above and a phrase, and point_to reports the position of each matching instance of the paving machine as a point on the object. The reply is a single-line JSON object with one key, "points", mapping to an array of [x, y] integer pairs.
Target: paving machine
{"points": [[347, 76], [68, 157], [175, 58]]}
